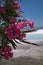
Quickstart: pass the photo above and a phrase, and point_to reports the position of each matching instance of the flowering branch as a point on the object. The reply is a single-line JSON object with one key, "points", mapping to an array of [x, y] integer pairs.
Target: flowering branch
{"points": [[11, 27]]}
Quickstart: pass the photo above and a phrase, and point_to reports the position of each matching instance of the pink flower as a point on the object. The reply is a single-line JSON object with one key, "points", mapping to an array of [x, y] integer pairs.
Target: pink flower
{"points": [[8, 49], [16, 5], [22, 35], [13, 26], [13, 20], [7, 52], [30, 23], [7, 55], [10, 36], [13, 30], [20, 25], [10, 55], [16, 34]]}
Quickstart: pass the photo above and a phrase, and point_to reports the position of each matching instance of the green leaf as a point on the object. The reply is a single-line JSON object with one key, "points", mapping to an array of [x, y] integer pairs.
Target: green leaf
{"points": [[7, 1], [4, 42], [0, 57], [10, 10], [29, 42], [17, 41], [3, 23], [13, 43], [4, 39]]}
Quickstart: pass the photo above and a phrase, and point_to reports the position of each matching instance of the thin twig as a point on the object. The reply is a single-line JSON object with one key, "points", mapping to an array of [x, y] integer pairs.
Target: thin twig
{"points": [[28, 42], [27, 31]]}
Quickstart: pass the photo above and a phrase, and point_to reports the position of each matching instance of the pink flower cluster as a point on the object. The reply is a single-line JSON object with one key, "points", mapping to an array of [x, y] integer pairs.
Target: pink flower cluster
{"points": [[30, 23], [20, 25], [13, 30], [6, 52], [25, 22]]}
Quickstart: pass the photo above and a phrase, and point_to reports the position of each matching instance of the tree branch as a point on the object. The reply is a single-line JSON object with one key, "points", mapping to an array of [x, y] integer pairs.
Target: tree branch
{"points": [[28, 42], [27, 31]]}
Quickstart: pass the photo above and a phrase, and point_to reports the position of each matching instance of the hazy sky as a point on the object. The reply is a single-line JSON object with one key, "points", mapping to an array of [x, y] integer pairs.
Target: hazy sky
{"points": [[33, 9]]}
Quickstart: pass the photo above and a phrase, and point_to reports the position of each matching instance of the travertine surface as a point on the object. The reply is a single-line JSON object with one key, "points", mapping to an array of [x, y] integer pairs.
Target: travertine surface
{"points": [[26, 55]]}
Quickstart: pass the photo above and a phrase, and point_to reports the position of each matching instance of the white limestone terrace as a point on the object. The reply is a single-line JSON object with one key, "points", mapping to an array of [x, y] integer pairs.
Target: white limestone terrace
{"points": [[29, 50]]}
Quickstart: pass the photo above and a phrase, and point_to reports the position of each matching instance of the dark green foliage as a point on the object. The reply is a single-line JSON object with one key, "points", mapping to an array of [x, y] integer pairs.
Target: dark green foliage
{"points": [[13, 43], [10, 10]]}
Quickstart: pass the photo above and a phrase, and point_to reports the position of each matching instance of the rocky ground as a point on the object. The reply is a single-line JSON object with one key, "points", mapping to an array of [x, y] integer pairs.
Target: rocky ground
{"points": [[23, 61], [26, 55]]}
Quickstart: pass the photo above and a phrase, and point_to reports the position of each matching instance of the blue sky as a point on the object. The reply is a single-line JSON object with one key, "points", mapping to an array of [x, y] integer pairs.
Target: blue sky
{"points": [[33, 9]]}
